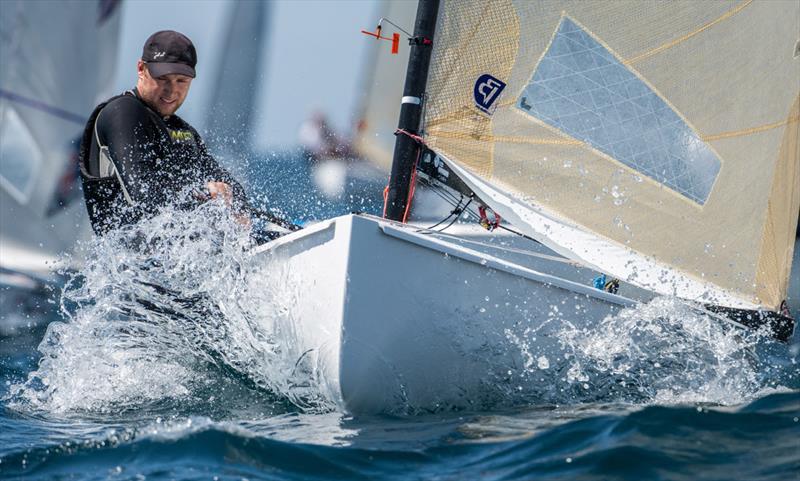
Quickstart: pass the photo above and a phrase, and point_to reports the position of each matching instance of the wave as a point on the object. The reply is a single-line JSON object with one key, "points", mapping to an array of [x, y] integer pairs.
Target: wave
{"points": [[661, 352], [170, 316], [756, 441], [167, 314]]}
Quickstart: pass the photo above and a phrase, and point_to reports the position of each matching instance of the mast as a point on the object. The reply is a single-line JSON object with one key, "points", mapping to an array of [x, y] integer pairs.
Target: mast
{"points": [[406, 149]]}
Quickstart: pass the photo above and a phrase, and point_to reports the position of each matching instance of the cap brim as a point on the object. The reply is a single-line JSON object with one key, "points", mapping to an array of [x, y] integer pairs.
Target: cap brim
{"points": [[158, 69]]}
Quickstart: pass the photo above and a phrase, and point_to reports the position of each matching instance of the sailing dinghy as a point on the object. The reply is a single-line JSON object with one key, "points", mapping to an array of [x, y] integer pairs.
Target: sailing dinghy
{"points": [[653, 142], [58, 59]]}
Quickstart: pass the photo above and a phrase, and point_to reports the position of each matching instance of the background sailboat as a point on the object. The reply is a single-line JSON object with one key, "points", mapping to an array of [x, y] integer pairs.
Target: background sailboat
{"points": [[239, 72], [57, 62]]}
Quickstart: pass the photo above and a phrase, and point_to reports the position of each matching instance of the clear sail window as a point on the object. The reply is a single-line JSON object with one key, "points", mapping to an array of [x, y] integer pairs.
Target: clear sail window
{"points": [[20, 157], [583, 90]]}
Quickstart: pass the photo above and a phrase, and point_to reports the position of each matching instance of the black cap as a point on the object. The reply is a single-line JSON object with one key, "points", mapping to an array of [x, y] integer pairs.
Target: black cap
{"points": [[167, 52]]}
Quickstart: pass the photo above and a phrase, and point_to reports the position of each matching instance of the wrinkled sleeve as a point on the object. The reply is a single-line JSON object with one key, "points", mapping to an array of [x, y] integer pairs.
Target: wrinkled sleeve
{"points": [[126, 130]]}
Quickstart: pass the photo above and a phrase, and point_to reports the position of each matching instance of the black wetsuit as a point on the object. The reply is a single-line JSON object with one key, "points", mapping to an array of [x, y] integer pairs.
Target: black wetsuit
{"points": [[133, 162]]}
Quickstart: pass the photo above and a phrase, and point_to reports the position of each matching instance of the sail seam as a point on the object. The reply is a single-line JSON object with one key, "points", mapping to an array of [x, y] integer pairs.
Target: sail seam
{"points": [[752, 130], [689, 35], [503, 138], [43, 107]]}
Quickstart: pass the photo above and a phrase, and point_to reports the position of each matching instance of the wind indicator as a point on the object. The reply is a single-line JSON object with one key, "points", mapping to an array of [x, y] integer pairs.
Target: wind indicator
{"points": [[395, 38]]}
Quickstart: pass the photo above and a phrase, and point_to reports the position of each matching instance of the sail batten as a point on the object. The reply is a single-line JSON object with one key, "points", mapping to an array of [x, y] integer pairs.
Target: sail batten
{"points": [[654, 141]]}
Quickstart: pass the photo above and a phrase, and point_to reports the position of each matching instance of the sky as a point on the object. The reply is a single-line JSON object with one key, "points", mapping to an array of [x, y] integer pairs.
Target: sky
{"points": [[313, 58]]}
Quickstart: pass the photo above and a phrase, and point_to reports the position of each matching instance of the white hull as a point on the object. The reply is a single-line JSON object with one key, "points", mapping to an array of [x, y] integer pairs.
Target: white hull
{"points": [[395, 319]]}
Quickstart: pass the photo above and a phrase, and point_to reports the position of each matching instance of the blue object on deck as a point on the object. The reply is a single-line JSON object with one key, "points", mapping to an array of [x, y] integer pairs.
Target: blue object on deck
{"points": [[600, 282]]}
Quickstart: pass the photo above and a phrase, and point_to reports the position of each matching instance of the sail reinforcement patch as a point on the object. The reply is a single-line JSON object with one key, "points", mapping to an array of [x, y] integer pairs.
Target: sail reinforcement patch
{"points": [[583, 90]]}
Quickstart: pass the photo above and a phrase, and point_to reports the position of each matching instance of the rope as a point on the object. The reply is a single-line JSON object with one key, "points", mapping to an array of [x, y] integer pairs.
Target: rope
{"points": [[457, 210], [456, 217], [524, 236], [412, 187], [416, 138], [413, 181], [450, 198]]}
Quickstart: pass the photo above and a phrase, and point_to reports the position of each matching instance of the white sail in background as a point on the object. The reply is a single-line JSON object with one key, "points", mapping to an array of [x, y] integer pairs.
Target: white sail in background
{"points": [[239, 76], [58, 61], [383, 77], [655, 141]]}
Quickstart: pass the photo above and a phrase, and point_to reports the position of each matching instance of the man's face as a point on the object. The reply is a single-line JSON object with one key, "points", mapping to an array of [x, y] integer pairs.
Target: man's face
{"points": [[164, 94]]}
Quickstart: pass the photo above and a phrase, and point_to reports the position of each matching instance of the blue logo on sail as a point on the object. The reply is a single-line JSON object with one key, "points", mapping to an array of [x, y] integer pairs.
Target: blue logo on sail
{"points": [[487, 91]]}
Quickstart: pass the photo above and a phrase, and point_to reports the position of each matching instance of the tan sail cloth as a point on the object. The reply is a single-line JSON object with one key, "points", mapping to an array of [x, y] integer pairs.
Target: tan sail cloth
{"points": [[668, 129]]}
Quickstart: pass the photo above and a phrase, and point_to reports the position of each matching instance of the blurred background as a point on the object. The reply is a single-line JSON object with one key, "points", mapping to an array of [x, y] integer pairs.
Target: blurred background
{"points": [[289, 95], [308, 56]]}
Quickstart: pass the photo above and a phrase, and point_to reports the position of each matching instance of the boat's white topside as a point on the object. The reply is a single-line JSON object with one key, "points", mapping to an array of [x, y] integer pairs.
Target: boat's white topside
{"points": [[398, 318]]}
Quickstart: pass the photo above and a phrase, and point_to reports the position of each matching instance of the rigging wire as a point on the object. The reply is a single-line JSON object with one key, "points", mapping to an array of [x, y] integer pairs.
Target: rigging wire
{"points": [[524, 236], [456, 211], [447, 196], [398, 27], [451, 199], [455, 218]]}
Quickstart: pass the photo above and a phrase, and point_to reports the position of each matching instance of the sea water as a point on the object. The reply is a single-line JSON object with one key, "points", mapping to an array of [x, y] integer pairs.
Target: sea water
{"points": [[164, 358]]}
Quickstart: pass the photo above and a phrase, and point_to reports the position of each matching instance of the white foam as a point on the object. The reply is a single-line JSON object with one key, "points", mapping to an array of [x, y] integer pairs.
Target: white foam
{"points": [[166, 313]]}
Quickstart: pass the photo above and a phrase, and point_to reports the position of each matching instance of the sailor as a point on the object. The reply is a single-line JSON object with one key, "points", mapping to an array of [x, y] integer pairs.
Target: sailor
{"points": [[137, 156], [320, 142]]}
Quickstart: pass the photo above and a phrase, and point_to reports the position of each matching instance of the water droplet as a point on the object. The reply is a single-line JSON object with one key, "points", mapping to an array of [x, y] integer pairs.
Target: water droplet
{"points": [[542, 363]]}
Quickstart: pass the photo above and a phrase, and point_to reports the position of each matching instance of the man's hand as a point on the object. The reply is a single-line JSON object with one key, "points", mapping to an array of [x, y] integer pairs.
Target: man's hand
{"points": [[220, 189], [223, 190]]}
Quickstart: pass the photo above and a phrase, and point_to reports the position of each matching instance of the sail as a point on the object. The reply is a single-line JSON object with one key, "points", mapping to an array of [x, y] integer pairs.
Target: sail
{"points": [[230, 115], [58, 60], [655, 141], [383, 78], [57, 57]]}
